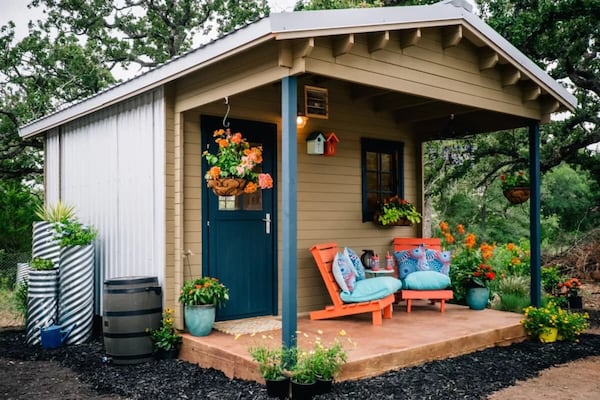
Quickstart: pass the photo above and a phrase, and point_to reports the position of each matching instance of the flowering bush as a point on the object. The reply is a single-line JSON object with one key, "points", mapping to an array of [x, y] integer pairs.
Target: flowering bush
{"points": [[569, 288], [203, 290], [572, 324], [470, 265], [517, 179], [165, 337], [394, 209], [270, 361], [236, 159]]}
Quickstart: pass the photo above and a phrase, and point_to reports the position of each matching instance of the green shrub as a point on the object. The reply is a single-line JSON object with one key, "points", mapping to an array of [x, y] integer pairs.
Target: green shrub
{"points": [[513, 302], [19, 298], [550, 279]]}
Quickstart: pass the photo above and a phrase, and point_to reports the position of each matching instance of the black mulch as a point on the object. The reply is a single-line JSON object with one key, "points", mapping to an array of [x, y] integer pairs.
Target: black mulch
{"points": [[472, 376]]}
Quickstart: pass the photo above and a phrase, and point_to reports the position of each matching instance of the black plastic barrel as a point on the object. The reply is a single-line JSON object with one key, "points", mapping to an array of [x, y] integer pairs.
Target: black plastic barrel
{"points": [[132, 305]]}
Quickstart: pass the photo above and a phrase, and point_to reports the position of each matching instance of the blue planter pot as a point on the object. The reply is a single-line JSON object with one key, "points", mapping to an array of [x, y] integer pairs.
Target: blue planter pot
{"points": [[477, 298], [199, 319]]}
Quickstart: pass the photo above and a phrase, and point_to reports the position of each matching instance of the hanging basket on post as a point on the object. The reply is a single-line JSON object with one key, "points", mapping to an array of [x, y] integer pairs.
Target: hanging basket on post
{"points": [[227, 186], [517, 195]]}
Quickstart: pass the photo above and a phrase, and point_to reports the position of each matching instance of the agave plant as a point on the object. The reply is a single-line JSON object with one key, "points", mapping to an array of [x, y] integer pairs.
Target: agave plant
{"points": [[55, 213]]}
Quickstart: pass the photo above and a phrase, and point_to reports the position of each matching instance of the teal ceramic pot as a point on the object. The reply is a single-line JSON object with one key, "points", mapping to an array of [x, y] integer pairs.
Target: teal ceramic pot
{"points": [[477, 297], [199, 319]]}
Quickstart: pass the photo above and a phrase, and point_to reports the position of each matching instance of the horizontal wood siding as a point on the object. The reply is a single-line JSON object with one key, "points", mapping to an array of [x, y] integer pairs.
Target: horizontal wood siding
{"points": [[329, 188], [426, 69]]}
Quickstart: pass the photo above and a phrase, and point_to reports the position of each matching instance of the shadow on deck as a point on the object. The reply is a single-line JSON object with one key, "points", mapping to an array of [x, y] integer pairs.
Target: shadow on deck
{"points": [[407, 339]]}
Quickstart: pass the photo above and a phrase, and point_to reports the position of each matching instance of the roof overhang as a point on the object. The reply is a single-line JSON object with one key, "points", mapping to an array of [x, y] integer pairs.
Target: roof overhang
{"points": [[310, 24]]}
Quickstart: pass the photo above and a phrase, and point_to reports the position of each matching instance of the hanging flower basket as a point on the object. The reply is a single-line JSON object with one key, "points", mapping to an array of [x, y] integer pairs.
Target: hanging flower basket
{"points": [[227, 186], [517, 195], [398, 222]]}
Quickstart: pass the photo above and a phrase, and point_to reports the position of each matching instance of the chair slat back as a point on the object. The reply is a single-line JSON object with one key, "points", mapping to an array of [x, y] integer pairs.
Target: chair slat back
{"points": [[410, 243], [324, 254]]}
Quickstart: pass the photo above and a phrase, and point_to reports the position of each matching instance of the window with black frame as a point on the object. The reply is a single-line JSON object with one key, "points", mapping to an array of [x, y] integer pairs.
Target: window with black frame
{"points": [[382, 164]]}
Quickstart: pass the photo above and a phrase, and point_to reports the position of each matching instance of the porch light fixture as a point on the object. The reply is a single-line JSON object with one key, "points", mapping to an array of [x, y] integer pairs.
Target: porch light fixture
{"points": [[301, 120]]}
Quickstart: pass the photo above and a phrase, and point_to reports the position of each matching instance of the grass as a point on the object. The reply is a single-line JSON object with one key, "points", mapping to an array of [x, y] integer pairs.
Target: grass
{"points": [[9, 311]]}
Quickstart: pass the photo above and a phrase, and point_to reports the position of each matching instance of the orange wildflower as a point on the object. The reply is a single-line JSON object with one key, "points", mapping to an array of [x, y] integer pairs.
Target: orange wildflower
{"points": [[487, 251], [461, 229], [218, 132], [444, 226], [222, 142], [510, 246], [515, 261], [470, 240], [449, 238]]}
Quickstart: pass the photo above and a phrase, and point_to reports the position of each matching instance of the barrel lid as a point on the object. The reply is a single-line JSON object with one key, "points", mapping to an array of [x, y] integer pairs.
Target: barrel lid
{"points": [[131, 280]]}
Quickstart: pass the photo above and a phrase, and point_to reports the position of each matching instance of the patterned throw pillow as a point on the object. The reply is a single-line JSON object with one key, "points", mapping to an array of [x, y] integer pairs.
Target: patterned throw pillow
{"points": [[438, 261], [356, 263], [409, 261], [343, 272]]}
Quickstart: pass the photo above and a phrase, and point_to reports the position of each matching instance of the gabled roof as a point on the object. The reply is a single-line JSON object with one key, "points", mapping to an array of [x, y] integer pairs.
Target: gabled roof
{"points": [[305, 24]]}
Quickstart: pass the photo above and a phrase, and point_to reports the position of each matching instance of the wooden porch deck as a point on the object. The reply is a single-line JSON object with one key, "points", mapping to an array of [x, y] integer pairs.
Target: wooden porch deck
{"points": [[407, 339]]}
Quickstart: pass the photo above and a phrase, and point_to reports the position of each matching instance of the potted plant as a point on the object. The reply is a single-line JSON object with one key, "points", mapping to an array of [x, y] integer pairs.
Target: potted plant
{"points": [[542, 322], [327, 362], [477, 283], [395, 211], [41, 264], [200, 298], [302, 374], [571, 324], [76, 277], [231, 170], [571, 290], [515, 187], [165, 339], [42, 297], [271, 367]]}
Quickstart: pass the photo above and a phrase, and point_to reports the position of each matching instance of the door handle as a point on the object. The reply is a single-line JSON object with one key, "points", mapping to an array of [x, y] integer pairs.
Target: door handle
{"points": [[267, 220]]}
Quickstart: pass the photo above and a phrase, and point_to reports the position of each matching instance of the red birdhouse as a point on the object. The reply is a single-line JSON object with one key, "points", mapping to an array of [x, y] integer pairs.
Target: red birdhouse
{"points": [[330, 144]]}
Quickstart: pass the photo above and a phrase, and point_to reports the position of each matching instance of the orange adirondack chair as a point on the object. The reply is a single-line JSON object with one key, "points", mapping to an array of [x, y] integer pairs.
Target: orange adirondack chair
{"points": [[431, 295], [324, 255]]}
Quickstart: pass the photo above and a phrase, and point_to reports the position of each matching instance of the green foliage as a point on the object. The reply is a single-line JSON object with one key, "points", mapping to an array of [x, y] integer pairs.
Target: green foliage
{"points": [[203, 290], [270, 361], [20, 298], [73, 233], [394, 209], [17, 205], [55, 213], [516, 179], [513, 303], [570, 324], [41, 264], [165, 337], [327, 360], [551, 277]]}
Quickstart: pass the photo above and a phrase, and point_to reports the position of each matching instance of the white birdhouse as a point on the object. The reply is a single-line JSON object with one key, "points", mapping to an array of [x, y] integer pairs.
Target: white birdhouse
{"points": [[315, 143]]}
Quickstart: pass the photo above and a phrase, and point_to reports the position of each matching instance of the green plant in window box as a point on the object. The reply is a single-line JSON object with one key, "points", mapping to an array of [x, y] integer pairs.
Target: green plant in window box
{"points": [[397, 211]]}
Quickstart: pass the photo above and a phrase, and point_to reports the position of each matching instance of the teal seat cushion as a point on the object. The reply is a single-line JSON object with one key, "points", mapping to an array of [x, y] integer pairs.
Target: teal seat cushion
{"points": [[372, 289], [426, 280]]}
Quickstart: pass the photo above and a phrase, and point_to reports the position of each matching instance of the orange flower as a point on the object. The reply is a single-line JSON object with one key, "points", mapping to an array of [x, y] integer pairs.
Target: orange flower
{"points": [[214, 172], [218, 132], [444, 226], [449, 238], [470, 240], [461, 229], [487, 250], [515, 261], [237, 138], [223, 142], [251, 187], [510, 246], [265, 181]]}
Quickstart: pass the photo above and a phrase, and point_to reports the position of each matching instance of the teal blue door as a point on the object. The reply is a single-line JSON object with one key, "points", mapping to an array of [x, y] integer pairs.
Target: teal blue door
{"points": [[239, 235]]}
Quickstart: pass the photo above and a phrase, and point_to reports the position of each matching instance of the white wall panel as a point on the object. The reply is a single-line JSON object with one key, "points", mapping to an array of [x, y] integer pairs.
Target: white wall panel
{"points": [[112, 171], [52, 167]]}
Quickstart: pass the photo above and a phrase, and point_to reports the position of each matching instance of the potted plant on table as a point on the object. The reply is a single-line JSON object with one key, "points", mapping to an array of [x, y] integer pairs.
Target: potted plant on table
{"points": [[165, 339], [515, 187], [395, 211], [200, 298], [231, 170]]}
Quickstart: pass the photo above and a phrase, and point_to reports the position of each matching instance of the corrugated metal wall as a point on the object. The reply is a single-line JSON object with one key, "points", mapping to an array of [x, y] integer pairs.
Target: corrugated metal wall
{"points": [[112, 171], [52, 167]]}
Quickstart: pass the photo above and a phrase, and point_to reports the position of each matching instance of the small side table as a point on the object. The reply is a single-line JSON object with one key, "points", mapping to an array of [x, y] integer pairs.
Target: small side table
{"points": [[369, 273]]}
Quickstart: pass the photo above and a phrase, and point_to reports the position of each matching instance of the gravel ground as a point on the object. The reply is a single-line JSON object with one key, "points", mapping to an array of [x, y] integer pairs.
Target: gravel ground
{"points": [[77, 372]]}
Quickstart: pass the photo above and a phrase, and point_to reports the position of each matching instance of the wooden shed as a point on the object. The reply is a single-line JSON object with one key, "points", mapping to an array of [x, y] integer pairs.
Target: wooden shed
{"points": [[383, 80]]}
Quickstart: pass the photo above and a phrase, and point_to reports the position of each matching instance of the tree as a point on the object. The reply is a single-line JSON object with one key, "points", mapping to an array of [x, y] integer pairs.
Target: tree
{"points": [[17, 213]]}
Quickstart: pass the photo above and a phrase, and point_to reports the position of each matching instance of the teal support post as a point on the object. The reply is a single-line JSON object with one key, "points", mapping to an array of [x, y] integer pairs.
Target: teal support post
{"points": [[289, 169], [534, 214]]}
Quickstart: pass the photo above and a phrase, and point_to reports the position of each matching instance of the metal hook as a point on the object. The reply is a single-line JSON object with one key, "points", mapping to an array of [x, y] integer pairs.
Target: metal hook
{"points": [[225, 123]]}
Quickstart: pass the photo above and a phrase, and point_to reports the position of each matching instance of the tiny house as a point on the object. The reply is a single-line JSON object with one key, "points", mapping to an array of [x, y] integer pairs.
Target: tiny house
{"points": [[385, 80]]}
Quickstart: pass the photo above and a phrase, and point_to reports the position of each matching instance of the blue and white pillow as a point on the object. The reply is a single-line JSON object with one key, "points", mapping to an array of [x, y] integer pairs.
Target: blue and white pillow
{"points": [[438, 261], [409, 261], [356, 263], [343, 272]]}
